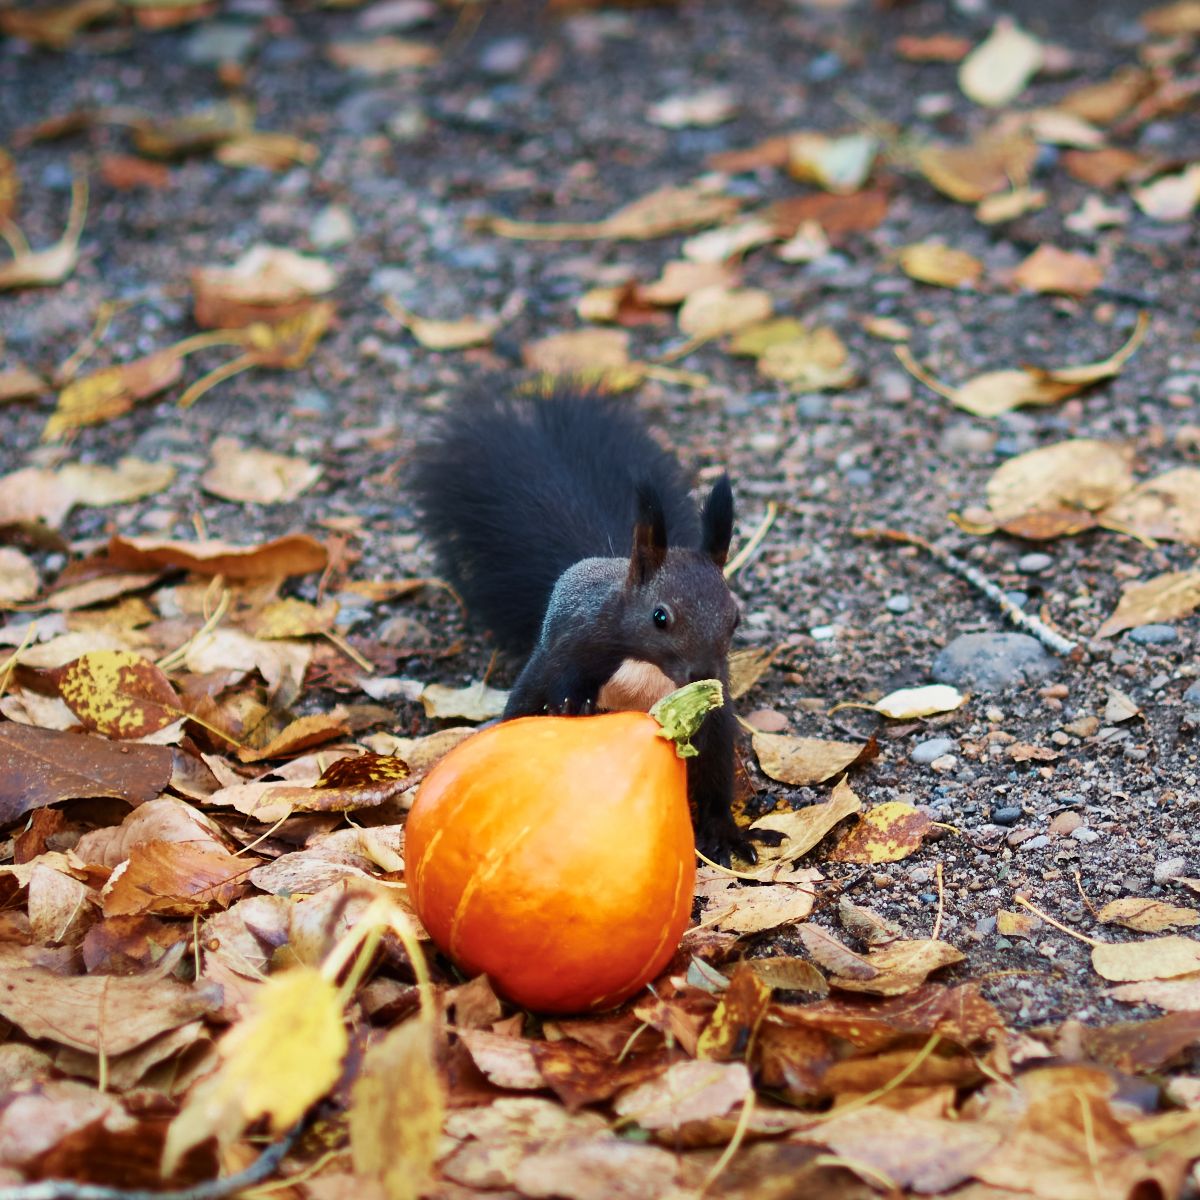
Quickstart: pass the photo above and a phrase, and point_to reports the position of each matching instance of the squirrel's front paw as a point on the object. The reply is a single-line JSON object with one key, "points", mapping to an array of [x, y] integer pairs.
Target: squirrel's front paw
{"points": [[572, 705]]}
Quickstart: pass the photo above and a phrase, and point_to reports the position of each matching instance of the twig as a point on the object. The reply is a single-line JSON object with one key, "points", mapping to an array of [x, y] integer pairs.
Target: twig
{"points": [[215, 1189], [740, 559], [1022, 620]]}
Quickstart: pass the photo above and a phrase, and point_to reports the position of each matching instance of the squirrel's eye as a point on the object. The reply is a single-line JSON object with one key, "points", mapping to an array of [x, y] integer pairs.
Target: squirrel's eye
{"points": [[662, 616]]}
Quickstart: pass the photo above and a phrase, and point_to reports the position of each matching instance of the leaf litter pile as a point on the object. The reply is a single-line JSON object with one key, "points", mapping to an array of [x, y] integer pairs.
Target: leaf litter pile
{"points": [[924, 288]]}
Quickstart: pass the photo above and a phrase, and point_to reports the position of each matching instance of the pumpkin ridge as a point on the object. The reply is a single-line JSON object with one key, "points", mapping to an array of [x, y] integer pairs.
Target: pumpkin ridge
{"points": [[492, 862], [419, 865]]}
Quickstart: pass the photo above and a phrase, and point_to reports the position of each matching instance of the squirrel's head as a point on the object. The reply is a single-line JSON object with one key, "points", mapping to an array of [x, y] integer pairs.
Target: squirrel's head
{"points": [[678, 610]]}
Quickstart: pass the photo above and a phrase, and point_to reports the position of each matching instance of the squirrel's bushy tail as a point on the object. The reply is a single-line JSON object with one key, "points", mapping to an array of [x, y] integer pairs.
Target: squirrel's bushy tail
{"points": [[515, 488]]}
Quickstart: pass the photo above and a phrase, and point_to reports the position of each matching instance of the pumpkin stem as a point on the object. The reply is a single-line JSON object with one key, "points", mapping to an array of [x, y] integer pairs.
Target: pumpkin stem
{"points": [[681, 713]]}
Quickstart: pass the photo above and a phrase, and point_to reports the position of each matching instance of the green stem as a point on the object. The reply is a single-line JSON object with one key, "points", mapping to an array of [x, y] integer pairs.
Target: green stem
{"points": [[682, 712]]}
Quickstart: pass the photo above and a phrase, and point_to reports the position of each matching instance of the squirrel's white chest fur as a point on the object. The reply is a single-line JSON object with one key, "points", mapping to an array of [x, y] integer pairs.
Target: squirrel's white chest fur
{"points": [[635, 685]]}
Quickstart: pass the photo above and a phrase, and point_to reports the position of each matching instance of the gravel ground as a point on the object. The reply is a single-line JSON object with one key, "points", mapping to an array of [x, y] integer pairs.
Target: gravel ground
{"points": [[542, 116]]}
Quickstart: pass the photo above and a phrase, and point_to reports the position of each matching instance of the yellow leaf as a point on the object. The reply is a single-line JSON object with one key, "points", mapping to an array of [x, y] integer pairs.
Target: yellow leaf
{"points": [[279, 1059], [804, 761], [942, 266], [900, 967], [38, 268], [971, 172], [112, 391], [1081, 473], [837, 164], [1147, 916], [1157, 958], [1165, 598], [816, 361], [997, 70], [396, 1109], [118, 693], [909, 703], [714, 311], [887, 833], [805, 827], [443, 335], [1062, 272], [271, 151], [589, 353]]}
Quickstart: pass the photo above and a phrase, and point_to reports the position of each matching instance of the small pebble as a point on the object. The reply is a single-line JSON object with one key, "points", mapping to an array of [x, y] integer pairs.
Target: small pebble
{"points": [[1066, 823], [505, 56], [933, 748], [823, 633], [812, 407], [991, 662], [1085, 835], [944, 764], [1009, 815], [1153, 635], [220, 41], [767, 720], [332, 227], [1031, 564], [901, 604], [1170, 868], [928, 897], [1036, 843], [919, 875], [1192, 695]]}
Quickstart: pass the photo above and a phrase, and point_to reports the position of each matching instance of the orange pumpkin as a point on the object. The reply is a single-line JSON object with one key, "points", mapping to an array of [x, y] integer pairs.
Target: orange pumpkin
{"points": [[556, 854]]}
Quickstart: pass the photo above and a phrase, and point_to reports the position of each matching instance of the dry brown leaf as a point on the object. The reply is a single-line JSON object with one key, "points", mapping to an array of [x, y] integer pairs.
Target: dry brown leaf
{"points": [[126, 171], [802, 761], [1108, 167], [293, 554], [584, 352], [666, 211], [805, 827], [18, 578], [508, 1062], [1104, 102], [176, 879], [747, 666], [679, 279], [1165, 508], [969, 173], [267, 283], [55, 27], [1171, 197], [753, 910], [686, 1092], [1147, 916], [41, 268], [118, 693], [1167, 597], [888, 832], [703, 109], [269, 151], [1181, 19], [196, 132], [816, 361], [292, 617], [165, 819], [837, 164], [383, 55], [1063, 272], [1008, 206], [838, 216], [1081, 473], [443, 335], [1158, 958], [996, 71], [942, 266], [714, 311], [20, 383], [109, 1013], [252, 476], [789, 974], [936, 47], [475, 702], [900, 967]]}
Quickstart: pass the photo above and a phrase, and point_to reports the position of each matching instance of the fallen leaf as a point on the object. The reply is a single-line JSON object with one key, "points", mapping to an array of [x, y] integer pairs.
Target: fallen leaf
{"points": [[587, 352], [807, 244], [971, 172], [1170, 197], [293, 554], [10, 184], [837, 164], [805, 827], [162, 820], [908, 704], [383, 55], [281, 1057], [888, 832], [1008, 206], [1016, 923], [838, 215], [666, 211], [475, 702], [679, 279], [508, 1062], [942, 266], [266, 283], [714, 311], [1147, 916], [443, 335], [251, 476], [40, 268], [98, 486], [737, 1017], [196, 132], [937, 47], [1064, 272], [396, 1108], [1108, 167], [703, 109], [1174, 995], [58, 26], [1093, 214], [996, 72], [1119, 707], [685, 1092], [802, 761], [175, 879], [728, 242], [789, 974], [815, 361], [888, 329], [1167, 597], [109, 1013], [747, 666], [900, 967], [1165, 508], [1157, 958], [1181, 19], [18, 578], [1104, 102], [20, 383], [268, 151], [126, 171], [118, 693], [1081, 473], [753, 910]]}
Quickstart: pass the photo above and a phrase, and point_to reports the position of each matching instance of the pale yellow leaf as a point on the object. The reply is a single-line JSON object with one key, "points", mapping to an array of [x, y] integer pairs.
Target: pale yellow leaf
{"points": [[996, 71]]}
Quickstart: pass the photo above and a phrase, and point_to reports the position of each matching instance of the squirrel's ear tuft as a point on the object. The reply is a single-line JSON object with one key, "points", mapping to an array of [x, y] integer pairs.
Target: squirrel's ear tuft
{"points": [[649, 536], [716, 522]]}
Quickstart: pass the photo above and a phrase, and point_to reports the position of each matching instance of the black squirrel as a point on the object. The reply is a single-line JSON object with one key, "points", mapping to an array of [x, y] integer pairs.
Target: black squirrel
{"points": [[532, 502]]}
